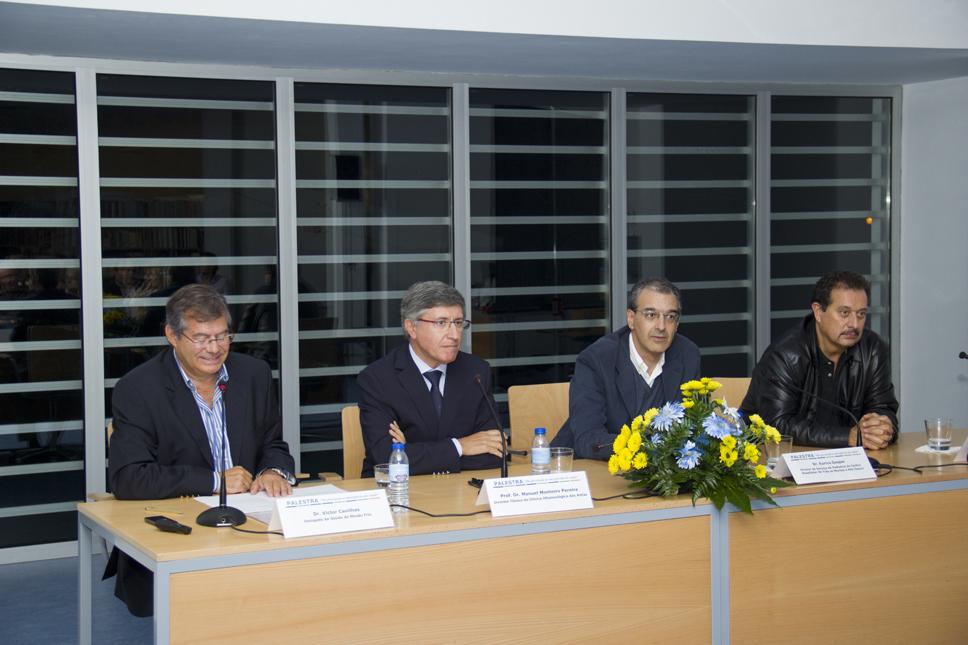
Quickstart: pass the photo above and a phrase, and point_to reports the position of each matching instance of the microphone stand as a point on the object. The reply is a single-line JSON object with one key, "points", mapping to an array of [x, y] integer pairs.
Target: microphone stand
{"points": [[497, 421], [860, 435], [223, 514]]}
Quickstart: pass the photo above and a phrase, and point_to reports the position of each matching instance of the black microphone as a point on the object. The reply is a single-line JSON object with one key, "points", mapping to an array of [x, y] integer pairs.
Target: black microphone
{"points": [[223, 514], [963, 355], [860, 435], [497, 424]]}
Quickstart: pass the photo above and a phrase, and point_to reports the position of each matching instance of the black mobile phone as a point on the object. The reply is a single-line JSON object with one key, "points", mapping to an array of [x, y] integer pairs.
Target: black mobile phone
{"points": [[167, 524], [475, 482]]}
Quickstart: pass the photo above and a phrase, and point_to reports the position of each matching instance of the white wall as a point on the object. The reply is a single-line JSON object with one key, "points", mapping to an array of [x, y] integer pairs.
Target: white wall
{"points": [[934, 252], [862, 23]]}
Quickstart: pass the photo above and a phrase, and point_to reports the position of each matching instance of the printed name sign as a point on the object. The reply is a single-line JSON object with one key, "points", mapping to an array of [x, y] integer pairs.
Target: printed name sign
{"points": [[331, 513], [819, 466], [536, 494]]}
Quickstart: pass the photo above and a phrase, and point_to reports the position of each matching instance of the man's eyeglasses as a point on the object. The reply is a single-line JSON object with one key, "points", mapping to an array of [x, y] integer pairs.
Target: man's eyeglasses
{"points": [[441, 324], [671, 317], [203, 341]]}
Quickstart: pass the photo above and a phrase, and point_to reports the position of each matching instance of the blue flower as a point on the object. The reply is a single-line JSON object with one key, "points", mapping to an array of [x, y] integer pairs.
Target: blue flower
{"points": [[688, 456], [716, 426], [731, 413], [669, 414]]}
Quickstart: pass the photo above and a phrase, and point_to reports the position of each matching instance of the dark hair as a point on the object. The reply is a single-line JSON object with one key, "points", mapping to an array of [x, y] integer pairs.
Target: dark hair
{"points": [[661, 285], [422, 296], [199, 302], [838, 280]]}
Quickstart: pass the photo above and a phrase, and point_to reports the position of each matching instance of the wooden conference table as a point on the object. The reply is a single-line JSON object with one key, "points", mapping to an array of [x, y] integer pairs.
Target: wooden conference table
{"points": [[882, 561]]}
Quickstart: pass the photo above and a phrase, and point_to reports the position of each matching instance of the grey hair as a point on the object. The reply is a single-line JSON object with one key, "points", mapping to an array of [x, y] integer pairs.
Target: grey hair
{"points": [[422, 296], [199, 302], [661, 285]]}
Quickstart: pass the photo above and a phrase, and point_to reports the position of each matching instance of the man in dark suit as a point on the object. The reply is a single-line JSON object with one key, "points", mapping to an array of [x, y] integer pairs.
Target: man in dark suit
{"points": [[424, 393], [635, 368], [168, 423]]}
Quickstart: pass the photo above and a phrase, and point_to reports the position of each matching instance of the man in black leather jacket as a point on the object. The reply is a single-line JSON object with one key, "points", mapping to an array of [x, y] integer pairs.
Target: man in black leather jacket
{"points": [[832, 357]]}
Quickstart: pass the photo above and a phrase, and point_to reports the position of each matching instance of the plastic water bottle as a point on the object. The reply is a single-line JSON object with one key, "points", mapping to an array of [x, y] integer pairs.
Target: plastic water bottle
{"points": [[398, 491], [540, 453]]}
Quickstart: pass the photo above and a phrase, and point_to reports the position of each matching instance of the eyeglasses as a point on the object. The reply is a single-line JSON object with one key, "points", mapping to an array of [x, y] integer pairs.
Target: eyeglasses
{"points": [[203, 341], [441, 324], [671, 317]]}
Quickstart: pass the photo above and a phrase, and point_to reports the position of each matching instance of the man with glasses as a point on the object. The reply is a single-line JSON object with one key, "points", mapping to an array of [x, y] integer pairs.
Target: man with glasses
{"points": [[173, 414], [425, 392], [828, 361], [635, 368]]}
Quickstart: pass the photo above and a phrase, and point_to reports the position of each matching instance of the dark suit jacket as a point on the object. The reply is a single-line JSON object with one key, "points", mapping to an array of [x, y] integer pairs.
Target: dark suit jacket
{"points": [[159, 448], [606, 391], [393, 389]]}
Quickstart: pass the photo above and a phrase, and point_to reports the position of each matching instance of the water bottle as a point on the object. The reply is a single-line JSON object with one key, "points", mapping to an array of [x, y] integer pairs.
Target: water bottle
{"points": [[398, 491], [540, 453]]}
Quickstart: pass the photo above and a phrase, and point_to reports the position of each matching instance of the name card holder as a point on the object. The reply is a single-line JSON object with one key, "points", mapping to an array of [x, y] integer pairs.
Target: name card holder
{"points": [[536, 494], [307, 515], [825, 466]]}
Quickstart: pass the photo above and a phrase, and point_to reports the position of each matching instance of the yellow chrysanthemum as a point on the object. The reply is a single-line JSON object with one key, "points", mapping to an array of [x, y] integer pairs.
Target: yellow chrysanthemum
{"points": [[712, 386], [757, 430], [719, 401], [688, 403], [648, 416], [621, 440], [751, 454], [625, 459], [634, 442], [613, 464], [772, 434], [637, 423], [772, 489], [702, 391], [728, 457], [757, 420], [729, 441], [761, 472], [640, 461]]}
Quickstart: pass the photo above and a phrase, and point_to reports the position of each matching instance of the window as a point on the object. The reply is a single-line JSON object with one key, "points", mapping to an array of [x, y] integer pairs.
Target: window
{"points": [[41, 403], [690, 166], [830, 161], [539, 179], [188, 194], [374, 208]]}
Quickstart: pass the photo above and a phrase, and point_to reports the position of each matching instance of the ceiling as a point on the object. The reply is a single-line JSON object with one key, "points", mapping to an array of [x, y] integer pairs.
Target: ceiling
{"points": [[91, 33]]}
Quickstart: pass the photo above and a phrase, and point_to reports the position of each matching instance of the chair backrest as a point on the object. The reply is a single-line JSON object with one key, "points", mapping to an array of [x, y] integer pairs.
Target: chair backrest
{"points": [[733, 390], [544, 405], [353, 450]]}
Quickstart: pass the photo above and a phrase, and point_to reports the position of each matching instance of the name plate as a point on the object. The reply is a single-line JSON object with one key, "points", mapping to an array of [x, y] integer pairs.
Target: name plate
{"points": [[536, 494], [824, 466], [331, 513]]}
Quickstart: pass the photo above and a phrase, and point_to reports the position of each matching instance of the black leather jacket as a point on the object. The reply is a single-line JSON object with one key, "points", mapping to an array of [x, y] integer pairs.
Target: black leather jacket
{"points": [[792, 361]]}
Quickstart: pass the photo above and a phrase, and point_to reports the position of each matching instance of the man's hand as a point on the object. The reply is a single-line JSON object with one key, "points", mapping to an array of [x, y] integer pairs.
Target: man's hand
{"points": [[237, 480], [396, 433], [480, 443], [877, 430], [272, 483]]}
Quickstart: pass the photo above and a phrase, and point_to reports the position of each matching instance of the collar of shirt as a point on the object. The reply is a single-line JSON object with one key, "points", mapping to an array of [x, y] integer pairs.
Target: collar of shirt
{"points": [[423, 367], [641, 367], [223, 375]]}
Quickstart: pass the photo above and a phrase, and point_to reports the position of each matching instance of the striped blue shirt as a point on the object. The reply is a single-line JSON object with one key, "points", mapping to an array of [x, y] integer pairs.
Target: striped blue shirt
{"points": [[212, 420]]}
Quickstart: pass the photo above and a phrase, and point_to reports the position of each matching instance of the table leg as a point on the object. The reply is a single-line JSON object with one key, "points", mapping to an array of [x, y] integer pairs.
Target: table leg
{"points": [[85, 594]]}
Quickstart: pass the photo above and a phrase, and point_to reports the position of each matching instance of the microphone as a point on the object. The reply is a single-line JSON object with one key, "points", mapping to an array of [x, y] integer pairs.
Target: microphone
{"points": [[497, 423], [223, 514], [860, 435], [963, 355]]}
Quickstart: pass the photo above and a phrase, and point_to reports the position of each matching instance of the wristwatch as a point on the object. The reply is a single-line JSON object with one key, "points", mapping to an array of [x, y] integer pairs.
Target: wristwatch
{"points": [[279, 471]]}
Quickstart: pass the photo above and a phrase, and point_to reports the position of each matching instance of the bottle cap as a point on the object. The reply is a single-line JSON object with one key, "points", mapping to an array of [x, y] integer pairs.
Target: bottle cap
{"points": [[539, 430], [397, 446]]}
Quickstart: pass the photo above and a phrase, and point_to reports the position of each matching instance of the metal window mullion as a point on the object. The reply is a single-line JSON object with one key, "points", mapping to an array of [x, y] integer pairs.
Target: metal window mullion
{"points": [[893, 212], [461, 196], [92, 322], [288, 266], [761, 218], [618, 235]]}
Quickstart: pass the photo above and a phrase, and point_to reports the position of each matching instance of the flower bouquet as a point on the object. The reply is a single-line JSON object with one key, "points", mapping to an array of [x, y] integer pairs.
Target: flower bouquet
{"points": [[699, 445]]}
